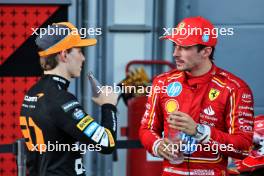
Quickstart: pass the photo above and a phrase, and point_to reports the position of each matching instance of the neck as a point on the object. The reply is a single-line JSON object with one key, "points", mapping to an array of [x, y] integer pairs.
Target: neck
{"points": [[201, 69], [58, 71]]}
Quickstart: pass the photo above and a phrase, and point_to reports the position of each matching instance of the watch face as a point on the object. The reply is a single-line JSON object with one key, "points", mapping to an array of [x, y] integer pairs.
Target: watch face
{"points": [[200, 129]]}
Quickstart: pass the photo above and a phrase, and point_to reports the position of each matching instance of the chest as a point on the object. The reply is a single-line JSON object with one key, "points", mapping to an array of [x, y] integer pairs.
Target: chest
{"points": [[205, 103]]}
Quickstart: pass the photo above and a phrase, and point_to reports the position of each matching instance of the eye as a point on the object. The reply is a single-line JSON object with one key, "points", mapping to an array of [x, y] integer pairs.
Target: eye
{"points": [[80, 50], [186, 47]]}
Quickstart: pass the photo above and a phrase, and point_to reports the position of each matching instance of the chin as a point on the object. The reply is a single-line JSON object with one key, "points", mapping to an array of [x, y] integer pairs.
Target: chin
{"points": [[76, 75], [180, 68]]}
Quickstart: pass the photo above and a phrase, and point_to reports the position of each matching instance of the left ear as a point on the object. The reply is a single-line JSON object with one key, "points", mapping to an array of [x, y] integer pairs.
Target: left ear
{"points": [[207, 51], [63, 55]]}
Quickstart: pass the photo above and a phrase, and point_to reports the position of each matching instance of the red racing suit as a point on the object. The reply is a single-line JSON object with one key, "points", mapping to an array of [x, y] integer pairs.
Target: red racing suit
{"points": [[219, 100]]}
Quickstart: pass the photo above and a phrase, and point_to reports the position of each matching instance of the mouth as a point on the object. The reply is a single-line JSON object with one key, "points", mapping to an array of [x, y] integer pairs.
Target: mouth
{"points": [[179, 61]]}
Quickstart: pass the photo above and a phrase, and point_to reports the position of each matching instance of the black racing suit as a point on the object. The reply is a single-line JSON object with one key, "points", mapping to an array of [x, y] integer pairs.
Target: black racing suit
{"points": [[58, 131]]}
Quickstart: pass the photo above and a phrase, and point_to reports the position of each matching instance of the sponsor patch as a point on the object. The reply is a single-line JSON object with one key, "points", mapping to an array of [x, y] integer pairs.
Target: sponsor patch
{"points": [[260, 125], [70, 105], [91, 129], [246, 128], [145, 116], [98, 134], [114, 121], [148, 106], [104, 141], [39, 95], [205, 38], [31, 99], [246, 108], [245, 125], [78, 114], [213, 118], [84, 122], [246, 98], [245, 114], [209, 111], [203, 172], [111, 139], [174, 89], [207, 123], [171, 105], [243, 120], [59, 79], [213, 94]]}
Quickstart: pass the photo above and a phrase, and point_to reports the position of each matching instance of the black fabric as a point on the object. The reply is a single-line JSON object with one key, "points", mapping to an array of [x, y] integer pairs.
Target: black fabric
{"points": [[46, 41], [53, 110]]}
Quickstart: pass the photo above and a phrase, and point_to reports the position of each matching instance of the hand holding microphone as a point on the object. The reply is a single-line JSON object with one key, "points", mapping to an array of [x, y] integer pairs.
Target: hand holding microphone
{"points": [[101, 94]]}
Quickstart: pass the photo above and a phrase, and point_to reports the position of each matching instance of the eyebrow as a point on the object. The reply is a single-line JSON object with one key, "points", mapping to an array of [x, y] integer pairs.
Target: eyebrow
{"points": [[184, 47]]}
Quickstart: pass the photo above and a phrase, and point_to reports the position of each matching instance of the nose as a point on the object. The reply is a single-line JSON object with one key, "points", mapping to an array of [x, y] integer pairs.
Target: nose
{"points": [[83, 58], [176, 51]]}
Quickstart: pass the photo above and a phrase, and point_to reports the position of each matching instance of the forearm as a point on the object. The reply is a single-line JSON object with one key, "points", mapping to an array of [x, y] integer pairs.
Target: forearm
{"points": [[149, 139], [109, 122], [234, 145]]}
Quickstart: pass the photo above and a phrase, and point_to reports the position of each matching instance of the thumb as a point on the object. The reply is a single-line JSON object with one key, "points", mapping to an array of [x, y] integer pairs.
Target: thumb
{"points": [[167, 141], [95, 99]]}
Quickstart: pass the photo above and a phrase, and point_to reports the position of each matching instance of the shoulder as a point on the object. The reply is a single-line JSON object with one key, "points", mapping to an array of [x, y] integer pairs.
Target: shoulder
{"points": [[64, 97], [229, 79], [172, 74]]}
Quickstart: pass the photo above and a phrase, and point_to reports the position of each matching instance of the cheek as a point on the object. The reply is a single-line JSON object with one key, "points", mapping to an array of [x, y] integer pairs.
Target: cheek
{"points": [[188, 56]]}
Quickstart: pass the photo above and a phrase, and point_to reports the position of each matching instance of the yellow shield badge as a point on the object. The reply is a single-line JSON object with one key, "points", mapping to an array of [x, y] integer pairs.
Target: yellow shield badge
{"points": [[213, 94]]}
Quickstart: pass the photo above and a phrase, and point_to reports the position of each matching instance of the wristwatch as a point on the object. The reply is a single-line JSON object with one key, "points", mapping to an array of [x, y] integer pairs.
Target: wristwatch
{"points": [[200, 131]]}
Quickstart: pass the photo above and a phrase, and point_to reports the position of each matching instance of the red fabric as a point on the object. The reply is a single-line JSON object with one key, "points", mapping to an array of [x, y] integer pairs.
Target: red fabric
{"points": [[217, 99], [185, 35]]}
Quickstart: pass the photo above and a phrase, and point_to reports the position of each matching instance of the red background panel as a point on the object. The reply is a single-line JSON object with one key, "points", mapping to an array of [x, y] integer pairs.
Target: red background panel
{"points": [[16, 23], [12, 90]]}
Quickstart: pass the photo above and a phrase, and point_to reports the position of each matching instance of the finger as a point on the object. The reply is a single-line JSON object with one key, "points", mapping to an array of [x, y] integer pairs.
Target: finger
{"points": [[168, 155], [165, 147], [174, 117], [95, 99], [171, 154], [179, 124], [178, 128], [164, 155], [179, 113], [167, 141]]}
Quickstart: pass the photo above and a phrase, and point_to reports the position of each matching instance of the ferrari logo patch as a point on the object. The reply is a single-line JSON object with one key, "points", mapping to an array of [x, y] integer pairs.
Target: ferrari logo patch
{"points": [[213, 94]]}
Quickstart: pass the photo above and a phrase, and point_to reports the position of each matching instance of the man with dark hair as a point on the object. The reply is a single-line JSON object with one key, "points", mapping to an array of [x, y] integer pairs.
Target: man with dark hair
{"points": [[52, 120], [210, 108]]}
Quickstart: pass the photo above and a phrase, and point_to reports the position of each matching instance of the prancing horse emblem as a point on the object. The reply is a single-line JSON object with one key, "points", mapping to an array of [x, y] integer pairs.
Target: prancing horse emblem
{"points": [[213, 94]]}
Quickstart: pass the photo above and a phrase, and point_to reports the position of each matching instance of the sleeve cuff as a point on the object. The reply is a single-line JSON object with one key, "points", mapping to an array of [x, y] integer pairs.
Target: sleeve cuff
{"points": [[109, 106], [155, 147]]}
